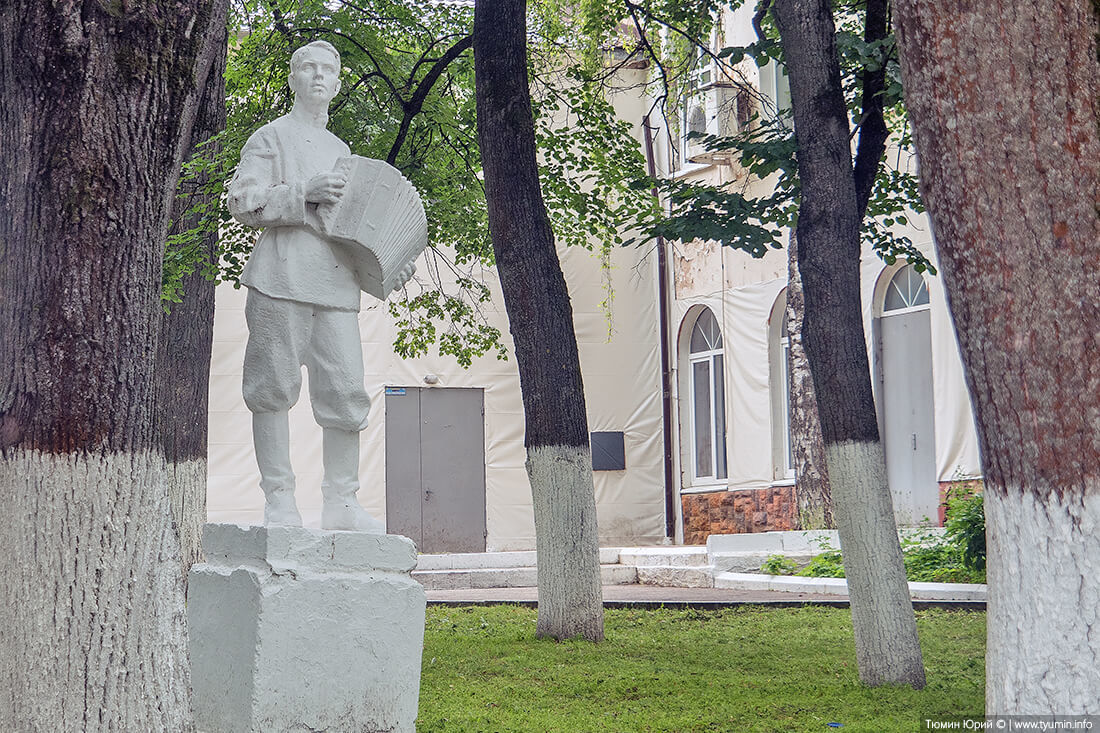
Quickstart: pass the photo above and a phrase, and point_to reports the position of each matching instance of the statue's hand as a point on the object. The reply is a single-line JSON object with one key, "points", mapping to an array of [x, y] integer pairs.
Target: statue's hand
{"points": [[405, 275], [325, 188]]}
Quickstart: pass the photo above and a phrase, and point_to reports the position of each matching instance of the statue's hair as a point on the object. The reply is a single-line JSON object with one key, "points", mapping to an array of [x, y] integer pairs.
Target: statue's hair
{"points": [[296, 57]]}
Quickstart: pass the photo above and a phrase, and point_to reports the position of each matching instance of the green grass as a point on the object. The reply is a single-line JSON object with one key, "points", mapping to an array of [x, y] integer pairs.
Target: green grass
{"points": [[742, 669]]}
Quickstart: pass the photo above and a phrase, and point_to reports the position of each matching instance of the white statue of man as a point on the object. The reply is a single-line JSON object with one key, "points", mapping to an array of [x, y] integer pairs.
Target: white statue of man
{"points": [[303, 299]]}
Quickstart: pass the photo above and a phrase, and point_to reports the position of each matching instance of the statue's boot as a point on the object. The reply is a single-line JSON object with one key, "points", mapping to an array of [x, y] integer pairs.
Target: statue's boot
{"points": [[271, 437], [341, 510]]}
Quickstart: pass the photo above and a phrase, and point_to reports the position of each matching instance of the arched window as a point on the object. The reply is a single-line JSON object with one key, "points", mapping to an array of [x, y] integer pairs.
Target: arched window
{"points": [[779, 353], [708, 399], [907, 289]]}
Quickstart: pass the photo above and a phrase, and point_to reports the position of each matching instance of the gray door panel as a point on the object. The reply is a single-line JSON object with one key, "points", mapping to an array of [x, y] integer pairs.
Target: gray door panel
{"points": [[403, 449], [435, 468], [908, 420], [453, 470]]}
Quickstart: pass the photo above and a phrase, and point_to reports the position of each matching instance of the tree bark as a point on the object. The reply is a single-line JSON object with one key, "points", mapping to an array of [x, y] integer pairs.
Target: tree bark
{"points": [[887, 649], [186, 334], [99, 101], [1005, 103], [815, 500], [873, 132], [559, 460]]}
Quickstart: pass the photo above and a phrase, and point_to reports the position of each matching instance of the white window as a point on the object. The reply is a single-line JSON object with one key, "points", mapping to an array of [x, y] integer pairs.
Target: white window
{"points": [[780, 352], [906, 290], [712, 105], [775, 88], [785, 399], [708, 400]]}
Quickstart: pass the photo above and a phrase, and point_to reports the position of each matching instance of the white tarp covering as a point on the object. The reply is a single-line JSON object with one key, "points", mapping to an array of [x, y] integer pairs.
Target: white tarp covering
{"points": [[622, 388], [744, 307]]}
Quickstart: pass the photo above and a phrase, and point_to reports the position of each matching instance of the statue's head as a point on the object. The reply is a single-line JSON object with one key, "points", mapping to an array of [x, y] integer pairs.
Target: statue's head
{"points": [[315, 72]]}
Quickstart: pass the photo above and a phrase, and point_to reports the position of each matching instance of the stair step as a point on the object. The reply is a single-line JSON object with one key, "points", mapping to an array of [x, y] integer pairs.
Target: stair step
{"points": [[487, 560], [676, 576], [664, 556], [839, 586], [750, 562], [521, 577]]}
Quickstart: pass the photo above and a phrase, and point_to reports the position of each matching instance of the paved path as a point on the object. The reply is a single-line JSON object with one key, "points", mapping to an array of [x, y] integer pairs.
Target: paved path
{"points": [[650, 596]]}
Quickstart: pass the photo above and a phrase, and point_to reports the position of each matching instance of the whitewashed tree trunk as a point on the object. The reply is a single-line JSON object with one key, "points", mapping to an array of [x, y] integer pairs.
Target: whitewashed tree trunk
{"points": [[1044, 602], [559, 461], [1004, 99], [186, 482], [99, 100], [833, 198], [565, 538], [883, 624], [94, 630]]}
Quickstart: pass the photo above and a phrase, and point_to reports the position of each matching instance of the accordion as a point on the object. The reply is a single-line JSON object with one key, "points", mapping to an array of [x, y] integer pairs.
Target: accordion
{"points": [[380, 219]]}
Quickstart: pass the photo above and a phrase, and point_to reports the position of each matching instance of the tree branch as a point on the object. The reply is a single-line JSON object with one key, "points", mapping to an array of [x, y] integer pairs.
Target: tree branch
{"points": [[425, 57], [872, 129], [762, 9], [416, 103], [279, 19]]}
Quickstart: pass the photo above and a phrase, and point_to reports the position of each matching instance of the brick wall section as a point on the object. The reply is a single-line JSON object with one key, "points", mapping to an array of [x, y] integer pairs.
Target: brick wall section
{"points": [[958, 488], [945, 486], [736, 512]]}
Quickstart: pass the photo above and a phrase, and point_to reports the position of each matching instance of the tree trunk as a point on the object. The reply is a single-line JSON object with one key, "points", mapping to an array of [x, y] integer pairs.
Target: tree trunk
{"points": [[186, 333], [559, 460], [887, 649], [815, 500], [1005, 104], [99, 101]]}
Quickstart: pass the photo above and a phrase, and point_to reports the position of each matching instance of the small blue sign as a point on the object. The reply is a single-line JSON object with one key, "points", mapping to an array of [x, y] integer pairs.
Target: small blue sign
{"points": [[395, 390]]}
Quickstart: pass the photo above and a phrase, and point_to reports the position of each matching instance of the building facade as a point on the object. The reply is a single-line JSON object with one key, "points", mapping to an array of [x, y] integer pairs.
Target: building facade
{"points": [[728, 311], [442, 459]]}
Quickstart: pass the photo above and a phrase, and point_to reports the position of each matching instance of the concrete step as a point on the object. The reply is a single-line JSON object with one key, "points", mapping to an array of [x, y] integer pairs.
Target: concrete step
{"points": [[839, 586], [508, 577], [485, 560], [685, 556], [772, 543], [750, 562], [676, 576]]}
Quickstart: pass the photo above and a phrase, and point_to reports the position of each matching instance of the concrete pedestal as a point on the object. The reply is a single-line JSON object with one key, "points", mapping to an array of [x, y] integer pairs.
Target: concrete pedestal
{"points": [[295, 629]]}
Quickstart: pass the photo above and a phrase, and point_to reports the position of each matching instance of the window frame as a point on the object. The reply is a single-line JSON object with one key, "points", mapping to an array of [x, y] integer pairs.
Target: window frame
{"points": [[717, 410], [907, 269], [779, 383]]}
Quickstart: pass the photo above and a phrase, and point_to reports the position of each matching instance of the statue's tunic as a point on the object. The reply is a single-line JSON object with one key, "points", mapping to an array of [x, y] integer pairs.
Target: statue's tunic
{"points": [[303, 295], [291, 261]]}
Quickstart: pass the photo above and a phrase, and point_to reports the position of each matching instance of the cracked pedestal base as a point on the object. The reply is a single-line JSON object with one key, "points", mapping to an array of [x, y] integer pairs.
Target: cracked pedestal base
{"points": [[295, 629]]}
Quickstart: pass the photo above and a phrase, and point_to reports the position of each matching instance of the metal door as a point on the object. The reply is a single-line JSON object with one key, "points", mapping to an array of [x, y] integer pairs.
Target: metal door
{"points": [[435, 467], [907, 416]]}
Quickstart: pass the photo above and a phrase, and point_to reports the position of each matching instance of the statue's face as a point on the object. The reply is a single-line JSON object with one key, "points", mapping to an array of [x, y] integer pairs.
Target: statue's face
{"points": [[316, 77]]}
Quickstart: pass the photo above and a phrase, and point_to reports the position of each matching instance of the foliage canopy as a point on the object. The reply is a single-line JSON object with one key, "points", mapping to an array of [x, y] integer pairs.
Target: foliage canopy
{"points": [[408, 98]]}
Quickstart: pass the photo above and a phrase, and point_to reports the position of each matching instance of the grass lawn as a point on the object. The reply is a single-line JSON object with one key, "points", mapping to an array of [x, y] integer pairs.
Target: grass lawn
{"points": [[741, 669]]}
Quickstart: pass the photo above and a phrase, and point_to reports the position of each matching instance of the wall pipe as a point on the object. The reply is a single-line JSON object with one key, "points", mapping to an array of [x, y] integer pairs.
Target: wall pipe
{"points": [[666, 369]]}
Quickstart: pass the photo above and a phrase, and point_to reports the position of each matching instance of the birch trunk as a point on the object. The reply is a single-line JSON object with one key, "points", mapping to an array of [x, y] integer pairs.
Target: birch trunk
{"points": [[815, 500], [887, 649], [559, 460], [1004, 99], [99, 101]]}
